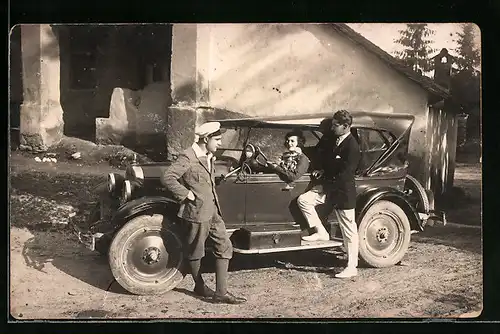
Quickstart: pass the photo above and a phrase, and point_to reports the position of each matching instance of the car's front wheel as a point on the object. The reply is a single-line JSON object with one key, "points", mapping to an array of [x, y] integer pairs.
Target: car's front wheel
{"points": [[384, 234], [146, 256]]}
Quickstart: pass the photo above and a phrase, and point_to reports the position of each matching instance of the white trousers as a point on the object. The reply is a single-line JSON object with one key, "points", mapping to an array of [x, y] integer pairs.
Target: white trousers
{"points": [[307, 204]]}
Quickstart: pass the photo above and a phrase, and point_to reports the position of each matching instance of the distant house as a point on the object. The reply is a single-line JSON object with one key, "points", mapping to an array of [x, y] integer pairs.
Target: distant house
{"points": [[252, 69]]}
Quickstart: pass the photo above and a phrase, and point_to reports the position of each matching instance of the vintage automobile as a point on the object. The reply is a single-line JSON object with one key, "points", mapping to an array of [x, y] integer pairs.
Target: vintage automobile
{"points": [[135, 222]]}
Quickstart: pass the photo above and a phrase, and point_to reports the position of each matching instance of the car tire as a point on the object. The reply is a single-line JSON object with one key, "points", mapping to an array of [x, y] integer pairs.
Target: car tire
{"points": [[146, 256], [384, 234]]}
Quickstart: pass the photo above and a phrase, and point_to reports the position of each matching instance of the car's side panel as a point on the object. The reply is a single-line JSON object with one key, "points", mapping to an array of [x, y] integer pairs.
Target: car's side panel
{"points": [[269, 198], [395, 181], [231, 194]]}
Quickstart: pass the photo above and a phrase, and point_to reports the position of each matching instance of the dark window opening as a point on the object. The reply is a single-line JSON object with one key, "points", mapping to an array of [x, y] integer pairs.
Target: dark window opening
{"points": [[84, 47], [83, 71]]}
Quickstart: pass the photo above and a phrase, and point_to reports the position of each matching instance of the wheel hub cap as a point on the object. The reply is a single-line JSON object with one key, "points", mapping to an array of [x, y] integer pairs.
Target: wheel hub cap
{"points": [[382, 234], [151, 255]]}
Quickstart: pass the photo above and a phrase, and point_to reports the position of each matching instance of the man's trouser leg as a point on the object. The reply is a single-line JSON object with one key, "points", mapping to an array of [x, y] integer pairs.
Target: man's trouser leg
{"points": [[197, 234], [223, 252], [307, 203], [349, 229]]}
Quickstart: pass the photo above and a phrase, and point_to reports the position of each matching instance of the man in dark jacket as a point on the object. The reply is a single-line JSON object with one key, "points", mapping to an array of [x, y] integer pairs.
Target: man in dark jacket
{"points": [[335, 180], [191, 179]]}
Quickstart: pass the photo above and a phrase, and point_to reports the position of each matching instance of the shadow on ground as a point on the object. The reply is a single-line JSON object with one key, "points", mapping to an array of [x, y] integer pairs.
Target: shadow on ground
{"points": [[462, 238], [60, 248], [458, 300]]}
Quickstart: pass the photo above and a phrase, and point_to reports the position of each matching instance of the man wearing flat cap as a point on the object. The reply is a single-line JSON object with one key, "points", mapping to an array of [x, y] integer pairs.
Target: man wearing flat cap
{"points": [[191, 179]]}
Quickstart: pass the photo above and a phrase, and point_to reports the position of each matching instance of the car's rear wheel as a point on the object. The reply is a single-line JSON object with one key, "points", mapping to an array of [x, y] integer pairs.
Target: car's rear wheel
{"points": [[384, 234], [146, 256]]}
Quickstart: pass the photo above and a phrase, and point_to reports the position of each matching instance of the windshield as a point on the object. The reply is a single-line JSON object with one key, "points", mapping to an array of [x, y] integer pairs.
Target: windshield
{"points": [[233, 141], [271, 141]]}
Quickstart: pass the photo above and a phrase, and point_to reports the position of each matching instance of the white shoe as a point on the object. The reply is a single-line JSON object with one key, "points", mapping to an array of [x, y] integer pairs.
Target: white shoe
{"points": [[347, 272], [316, 237]]}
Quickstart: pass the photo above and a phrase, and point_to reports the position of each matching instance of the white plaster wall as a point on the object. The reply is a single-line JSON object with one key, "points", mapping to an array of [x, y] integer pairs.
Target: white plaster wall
{"points": [[41, 113], [277, 69]]}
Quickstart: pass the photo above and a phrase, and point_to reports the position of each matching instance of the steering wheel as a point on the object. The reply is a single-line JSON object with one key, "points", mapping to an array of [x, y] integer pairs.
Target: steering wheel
{"points": [[250, 160], [244, 172], [254, 153]]}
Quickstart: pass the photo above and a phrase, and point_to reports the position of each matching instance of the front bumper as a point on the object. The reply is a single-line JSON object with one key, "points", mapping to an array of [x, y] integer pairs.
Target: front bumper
{"points": [[434, 217]]}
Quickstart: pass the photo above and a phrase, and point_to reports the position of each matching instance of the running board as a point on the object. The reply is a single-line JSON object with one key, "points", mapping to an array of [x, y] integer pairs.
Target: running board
{"points": [[304, 246], [230, 230]]}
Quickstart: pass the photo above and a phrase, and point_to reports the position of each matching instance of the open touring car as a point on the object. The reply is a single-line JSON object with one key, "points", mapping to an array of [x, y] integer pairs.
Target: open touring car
{"points": [[136, 224]]}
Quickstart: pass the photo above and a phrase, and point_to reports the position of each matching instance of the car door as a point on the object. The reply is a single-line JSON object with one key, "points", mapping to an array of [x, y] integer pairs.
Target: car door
{"points": [[231, 190], [269, 199]]}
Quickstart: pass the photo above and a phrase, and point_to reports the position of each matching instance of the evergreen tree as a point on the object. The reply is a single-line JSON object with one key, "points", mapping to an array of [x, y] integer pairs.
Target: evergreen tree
{"points": [[468, 55], [465, 81], [417, 49]]}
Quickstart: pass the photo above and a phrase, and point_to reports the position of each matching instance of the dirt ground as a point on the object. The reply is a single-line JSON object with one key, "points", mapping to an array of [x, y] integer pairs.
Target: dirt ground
{"points": [[53, 277]]}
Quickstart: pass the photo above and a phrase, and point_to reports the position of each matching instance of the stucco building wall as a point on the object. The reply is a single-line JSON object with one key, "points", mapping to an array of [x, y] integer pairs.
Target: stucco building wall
{"points": [[235, 69], [278, 69]]}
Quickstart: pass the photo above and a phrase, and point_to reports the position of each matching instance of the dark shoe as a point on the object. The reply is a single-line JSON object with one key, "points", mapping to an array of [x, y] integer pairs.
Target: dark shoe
{"points": [[228, 298], [204, 291]]}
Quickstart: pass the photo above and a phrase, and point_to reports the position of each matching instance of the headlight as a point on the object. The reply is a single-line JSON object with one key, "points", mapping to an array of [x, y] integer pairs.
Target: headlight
{"points": [[249, 151], [111, 182], [137, 173], [126, 191]]}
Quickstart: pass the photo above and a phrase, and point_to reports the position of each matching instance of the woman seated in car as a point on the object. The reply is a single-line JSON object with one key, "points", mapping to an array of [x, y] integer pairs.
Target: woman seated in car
{"points": [[293, 163]]}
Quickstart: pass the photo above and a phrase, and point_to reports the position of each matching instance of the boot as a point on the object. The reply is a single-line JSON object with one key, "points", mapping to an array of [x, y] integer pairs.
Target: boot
{"points": [[221, 294], [200, 288]]}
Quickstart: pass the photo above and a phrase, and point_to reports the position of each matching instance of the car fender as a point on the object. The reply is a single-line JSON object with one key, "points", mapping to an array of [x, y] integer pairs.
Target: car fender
{"points": [[148, 204], [370, 196]]}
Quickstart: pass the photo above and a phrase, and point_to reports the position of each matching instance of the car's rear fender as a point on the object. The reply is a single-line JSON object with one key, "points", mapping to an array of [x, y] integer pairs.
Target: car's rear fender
{"points": [[370, 196], [144, 205]]}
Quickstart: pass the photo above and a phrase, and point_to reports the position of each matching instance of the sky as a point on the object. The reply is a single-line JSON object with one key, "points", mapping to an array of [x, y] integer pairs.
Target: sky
{"points": [[383, 35]]}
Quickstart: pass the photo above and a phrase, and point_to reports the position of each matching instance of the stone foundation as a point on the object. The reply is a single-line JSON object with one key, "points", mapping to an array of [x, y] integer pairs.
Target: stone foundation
{"points": [[181, 121], [32, 142]]}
